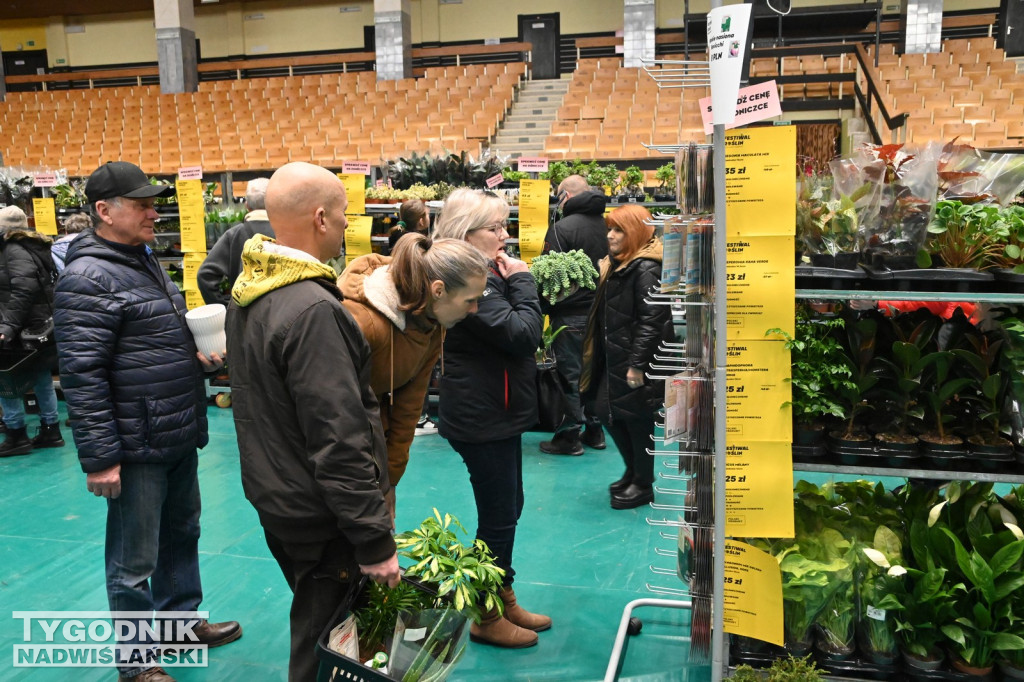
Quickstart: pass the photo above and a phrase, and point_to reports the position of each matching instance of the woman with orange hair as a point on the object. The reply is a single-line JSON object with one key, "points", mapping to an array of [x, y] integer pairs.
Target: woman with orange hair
{"points": [[623, 333]]}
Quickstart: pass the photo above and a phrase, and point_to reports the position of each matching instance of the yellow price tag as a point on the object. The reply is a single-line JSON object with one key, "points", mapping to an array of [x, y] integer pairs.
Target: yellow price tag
{"points": [[193, 299], [357, 237], [753, 592], [191, 215], [760, 286], [755, 472], [533, 217], [190, 263], [355, 190], [45, 215], [760, 182], [757, 387]]}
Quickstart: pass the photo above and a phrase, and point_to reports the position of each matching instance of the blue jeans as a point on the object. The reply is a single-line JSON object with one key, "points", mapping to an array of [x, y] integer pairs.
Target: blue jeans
{"points": [[568, 347], [496, 474], [14, 408], [152, 551]]}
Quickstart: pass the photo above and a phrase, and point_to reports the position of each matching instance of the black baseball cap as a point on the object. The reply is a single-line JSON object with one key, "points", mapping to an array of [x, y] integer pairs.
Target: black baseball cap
{"points": [[122, 179]]}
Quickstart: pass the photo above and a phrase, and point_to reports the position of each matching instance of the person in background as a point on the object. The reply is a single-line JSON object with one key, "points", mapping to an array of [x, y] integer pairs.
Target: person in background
{"points": [[133, 381], [413, 218], [581, 227], [73, 226], [402, 304], [224, 261], [313, 457], [27, 274], [489, 397], [623, 334]]}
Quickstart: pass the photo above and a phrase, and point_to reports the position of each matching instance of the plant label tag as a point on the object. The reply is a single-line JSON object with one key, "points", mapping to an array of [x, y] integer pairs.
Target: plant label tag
{"points": [[190, 173], [494, 180], [356, 167], [44, 179], [875, 614], [414, 634]]}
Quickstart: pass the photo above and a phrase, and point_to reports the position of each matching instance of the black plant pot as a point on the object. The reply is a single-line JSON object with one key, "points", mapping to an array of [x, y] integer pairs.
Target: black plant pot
{"points": [[841, 261], [932, 663], [893, 262], [850, 450], [808, 434], [664, 197]]}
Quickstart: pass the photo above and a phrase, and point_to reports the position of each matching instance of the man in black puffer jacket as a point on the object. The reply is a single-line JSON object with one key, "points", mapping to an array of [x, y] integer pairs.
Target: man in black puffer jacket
{"points": [[581, 227], [134, 387]]}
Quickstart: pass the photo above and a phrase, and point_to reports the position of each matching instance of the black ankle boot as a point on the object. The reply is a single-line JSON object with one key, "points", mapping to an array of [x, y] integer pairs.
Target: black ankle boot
{"points": [[621, 484], [593, 437], [16, 443], [632, 497], [49, 437], [565, 443]]}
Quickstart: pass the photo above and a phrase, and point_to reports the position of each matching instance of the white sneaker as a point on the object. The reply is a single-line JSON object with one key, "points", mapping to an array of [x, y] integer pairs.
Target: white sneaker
{"points": [[426, 427]]}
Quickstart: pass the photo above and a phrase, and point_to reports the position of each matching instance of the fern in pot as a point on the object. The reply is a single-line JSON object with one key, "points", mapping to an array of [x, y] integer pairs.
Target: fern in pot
{"points": [[560, 274]]}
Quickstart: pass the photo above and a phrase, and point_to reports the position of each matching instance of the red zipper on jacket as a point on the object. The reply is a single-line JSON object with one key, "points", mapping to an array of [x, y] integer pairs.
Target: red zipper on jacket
{"points": [[506, 391]]}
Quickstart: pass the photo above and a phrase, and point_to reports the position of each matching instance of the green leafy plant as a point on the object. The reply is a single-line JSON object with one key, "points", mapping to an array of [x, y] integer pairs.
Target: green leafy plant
{"points": [[556, 172], [666, 177], [987, 603], [787, 669], [877, 629], [989, 384], [941, 390], [548, 337], [514, 175], [465, 572], [633, 180], [561, 273], [965, 236], [860, 344], [903, 372], [820, 368], [68, 196], [376, 621]]}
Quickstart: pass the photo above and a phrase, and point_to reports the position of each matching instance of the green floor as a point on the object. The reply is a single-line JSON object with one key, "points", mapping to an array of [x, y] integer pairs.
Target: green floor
{"points": [[576, 559]]}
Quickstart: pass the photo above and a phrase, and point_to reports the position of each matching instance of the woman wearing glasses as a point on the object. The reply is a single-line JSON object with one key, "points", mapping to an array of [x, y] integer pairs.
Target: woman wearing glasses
{"points": [[488, 396]]}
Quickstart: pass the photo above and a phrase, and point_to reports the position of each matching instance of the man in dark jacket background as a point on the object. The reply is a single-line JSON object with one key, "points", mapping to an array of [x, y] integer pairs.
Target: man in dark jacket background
{"points": [[581, 227], [134, 387], [224, 261], [314, 461]]}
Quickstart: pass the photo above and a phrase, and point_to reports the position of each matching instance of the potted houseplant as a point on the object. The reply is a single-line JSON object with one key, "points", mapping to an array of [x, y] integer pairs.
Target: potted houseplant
{"points": [[991, 388], [666, 177], [986, 608], [430, 626], [964, 236], [807, 585], [826, 226], [788, 669], [941, 388], [902, 386], [632, 184], [560, 274], [556, 172], [876, 631], [860, 351], [820, 373]]}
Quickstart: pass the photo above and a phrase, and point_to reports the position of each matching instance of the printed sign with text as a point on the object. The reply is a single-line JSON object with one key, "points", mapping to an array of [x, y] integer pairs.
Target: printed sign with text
{"points": [[754, 103]]}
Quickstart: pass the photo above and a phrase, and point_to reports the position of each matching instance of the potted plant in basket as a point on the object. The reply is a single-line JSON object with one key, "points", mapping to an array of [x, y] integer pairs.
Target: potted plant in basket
{"points": [[560, 274], [430, 633]]}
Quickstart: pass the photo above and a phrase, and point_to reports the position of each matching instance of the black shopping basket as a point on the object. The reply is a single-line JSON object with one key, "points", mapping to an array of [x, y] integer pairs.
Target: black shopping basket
{"points": [[337, 668], [18, 369]]}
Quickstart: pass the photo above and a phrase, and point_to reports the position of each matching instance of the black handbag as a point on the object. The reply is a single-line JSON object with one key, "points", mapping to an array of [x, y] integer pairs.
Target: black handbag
{"points": [[551, 403]]}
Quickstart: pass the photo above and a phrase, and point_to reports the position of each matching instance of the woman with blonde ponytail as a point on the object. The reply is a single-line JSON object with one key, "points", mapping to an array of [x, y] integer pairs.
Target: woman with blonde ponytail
{"points": [[402, 303]]}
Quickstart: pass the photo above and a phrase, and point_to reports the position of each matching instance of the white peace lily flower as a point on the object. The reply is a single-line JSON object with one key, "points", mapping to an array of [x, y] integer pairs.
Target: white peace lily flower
{"points": [[1015, 529], [897, 571], [876, 557]]}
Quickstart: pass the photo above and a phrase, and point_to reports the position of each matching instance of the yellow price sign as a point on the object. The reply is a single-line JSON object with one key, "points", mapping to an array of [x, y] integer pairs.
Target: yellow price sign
{"points": [[45, 215], [193, 299], [355, 190], [757, 389], [760, 181], [533, 217], [752, 593], [191, 215], [755, 472], [357, 237], [190, 263], [760, 286]]}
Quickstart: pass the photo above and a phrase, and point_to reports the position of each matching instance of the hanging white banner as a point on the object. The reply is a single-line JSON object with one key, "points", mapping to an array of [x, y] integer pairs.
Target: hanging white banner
{"points": [[727, 45]]}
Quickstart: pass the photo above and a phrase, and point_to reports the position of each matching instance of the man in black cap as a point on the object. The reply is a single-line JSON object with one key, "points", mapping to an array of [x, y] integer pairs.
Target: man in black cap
{"points": [[133, 381]]}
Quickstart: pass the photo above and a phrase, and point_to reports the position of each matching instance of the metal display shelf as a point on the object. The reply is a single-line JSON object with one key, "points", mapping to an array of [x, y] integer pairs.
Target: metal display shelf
{"points": [[865, 295], [935, 474]]}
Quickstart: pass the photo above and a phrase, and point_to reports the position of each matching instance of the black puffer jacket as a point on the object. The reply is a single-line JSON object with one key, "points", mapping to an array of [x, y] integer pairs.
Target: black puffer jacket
{"points": [[581, 227], [128, 363], [624, 331], [26, 286], [488, 388]]}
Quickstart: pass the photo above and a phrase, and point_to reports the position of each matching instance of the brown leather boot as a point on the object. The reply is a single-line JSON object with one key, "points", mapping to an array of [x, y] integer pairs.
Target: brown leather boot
{"points": [[520, 616], [495, 629]]}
